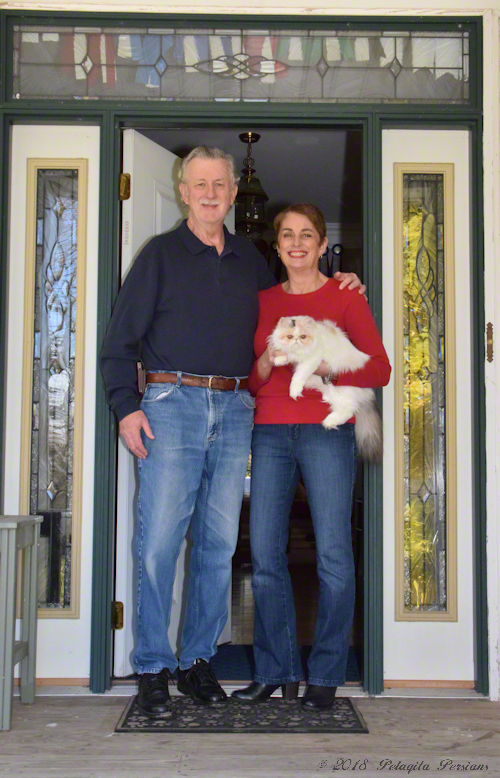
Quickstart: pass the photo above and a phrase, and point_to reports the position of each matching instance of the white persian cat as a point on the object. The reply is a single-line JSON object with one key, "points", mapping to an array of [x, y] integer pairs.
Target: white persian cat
{"points": [[305, 343]]}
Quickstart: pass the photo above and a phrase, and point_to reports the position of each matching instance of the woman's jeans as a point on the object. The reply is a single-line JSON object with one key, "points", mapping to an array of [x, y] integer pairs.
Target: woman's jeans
{"points": [[326, 459], [193, 476]]}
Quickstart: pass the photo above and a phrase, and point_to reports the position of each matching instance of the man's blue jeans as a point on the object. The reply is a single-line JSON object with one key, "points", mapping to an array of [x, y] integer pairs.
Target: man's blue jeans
{"points": [[193, 476], [326, 459]]}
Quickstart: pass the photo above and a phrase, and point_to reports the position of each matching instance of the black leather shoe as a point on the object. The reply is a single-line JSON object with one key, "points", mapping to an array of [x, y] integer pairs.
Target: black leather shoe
{"points": [[153, 696], [320, 697], [259, 692], [200, 683]]}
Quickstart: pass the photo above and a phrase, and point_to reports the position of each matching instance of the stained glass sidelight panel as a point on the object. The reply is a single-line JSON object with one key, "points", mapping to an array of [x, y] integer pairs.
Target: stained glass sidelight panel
{"points": [[425, 476], [51, 481], [301, 65]]}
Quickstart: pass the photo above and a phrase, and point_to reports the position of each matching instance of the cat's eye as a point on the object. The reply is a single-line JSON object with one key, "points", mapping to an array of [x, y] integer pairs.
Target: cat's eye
{"points": [[302, 337], [290, 337]]}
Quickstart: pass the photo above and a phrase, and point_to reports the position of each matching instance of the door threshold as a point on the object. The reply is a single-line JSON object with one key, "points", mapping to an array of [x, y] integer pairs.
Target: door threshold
{"points": [[437, 692], [128, 688]]}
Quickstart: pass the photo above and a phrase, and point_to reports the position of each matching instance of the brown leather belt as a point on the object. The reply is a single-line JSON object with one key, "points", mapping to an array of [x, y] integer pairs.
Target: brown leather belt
{"points": [[209, 382]]}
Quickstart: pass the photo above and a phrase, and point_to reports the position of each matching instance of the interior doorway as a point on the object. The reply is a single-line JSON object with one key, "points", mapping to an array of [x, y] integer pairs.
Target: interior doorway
{"points": [[323, 165]]}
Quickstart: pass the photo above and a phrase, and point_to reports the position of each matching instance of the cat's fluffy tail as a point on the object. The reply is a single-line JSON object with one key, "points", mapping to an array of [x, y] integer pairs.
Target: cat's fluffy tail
{"points": [[368, 432]]}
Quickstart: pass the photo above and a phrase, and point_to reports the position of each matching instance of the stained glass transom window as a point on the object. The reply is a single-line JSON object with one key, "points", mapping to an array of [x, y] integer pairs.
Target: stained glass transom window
{"points": [[424, 386], [51, 483], [309, 66]]}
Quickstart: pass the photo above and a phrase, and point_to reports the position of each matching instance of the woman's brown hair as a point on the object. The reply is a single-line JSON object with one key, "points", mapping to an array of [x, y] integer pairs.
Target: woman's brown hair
{"points": [[308, 210]]}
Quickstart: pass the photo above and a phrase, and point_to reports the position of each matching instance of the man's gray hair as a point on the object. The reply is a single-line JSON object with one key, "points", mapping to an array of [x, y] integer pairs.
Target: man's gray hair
{"points": [[208, 152]]}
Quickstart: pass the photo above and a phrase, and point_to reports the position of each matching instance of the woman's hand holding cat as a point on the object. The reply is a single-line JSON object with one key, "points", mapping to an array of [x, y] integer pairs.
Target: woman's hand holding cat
{"points": [[130, 430], [267, 360]]}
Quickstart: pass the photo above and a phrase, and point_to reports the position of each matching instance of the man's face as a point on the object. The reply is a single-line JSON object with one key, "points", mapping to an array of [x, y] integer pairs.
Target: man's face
{"points": [[208, 191]]}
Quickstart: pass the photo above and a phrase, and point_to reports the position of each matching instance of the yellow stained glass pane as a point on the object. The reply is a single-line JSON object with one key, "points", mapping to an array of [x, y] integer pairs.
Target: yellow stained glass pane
{"points": [[424, 461]]}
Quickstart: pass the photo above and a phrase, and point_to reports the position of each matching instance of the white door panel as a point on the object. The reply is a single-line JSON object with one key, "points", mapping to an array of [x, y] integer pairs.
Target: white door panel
{"points": [[437, 651], [153, 207]]}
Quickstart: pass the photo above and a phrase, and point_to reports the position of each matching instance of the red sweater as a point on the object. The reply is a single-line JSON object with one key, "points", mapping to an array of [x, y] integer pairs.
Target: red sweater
{"points": [[350, 311]]}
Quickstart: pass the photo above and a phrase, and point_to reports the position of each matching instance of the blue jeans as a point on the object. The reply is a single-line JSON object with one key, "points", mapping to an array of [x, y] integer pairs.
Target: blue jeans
{"points": [[192, 477], [326, 459]]}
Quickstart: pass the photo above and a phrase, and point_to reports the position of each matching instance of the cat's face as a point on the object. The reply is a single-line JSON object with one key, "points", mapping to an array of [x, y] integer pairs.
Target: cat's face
{"points": [[294, 334]]}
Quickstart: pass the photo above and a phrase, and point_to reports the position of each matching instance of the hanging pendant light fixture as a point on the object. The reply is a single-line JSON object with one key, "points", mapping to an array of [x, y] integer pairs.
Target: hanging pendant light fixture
{"points": [[250, 201]]}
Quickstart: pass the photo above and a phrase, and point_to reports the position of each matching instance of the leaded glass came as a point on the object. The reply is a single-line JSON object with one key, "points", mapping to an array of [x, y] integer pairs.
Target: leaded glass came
{"points": [[308, 66]]}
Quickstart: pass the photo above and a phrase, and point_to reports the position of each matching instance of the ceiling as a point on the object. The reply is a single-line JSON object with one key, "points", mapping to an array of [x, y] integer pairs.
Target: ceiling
{"points": [[318, 165]]}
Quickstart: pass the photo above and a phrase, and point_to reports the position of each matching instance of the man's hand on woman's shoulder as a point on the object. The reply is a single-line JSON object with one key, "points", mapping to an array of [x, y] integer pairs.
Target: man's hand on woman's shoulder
{"points": [[350, 281]]}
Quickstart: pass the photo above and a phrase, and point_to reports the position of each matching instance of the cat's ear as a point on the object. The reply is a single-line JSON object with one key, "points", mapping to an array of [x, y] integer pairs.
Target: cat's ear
{"points": [[308, 323]]}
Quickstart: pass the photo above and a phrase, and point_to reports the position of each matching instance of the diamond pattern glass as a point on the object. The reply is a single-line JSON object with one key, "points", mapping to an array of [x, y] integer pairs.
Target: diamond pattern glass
{"points": [[240, 65]]}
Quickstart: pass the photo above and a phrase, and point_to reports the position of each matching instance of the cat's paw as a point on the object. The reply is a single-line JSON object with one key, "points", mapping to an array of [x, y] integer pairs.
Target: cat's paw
{"points": [[281, 360], [295, 390], [332, 421]]}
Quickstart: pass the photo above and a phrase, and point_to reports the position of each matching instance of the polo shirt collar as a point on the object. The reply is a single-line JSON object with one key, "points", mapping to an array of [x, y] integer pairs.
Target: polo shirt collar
{"points": [[196, 246]]}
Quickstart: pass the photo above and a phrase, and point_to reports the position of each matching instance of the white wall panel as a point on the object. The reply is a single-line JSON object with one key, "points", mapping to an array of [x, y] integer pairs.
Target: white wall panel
{"points": [[63, 644], [434, 651]]}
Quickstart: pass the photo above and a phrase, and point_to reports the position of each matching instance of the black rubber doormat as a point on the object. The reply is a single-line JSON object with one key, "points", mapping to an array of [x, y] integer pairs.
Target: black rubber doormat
{"points": [[274, 716]]}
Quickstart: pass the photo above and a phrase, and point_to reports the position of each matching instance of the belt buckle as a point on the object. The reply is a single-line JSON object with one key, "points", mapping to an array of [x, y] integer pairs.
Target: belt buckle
{"points": [[210, 378]]}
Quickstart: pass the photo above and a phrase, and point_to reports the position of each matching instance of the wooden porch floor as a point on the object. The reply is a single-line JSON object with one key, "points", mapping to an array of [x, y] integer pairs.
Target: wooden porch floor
{"points": [[73, 737]]}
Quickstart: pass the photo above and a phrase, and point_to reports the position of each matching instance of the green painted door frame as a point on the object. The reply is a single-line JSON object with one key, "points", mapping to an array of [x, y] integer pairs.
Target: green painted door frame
{"points": [[372, 124], [112, 117]]}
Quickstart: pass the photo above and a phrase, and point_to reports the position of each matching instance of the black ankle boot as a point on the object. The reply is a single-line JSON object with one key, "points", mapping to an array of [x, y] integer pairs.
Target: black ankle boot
{"points": [[259, 692], [319, 697]]}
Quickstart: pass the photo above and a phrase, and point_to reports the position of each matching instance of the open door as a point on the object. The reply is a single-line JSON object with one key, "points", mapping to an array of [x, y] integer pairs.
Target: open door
{"points": [[154, 206]]}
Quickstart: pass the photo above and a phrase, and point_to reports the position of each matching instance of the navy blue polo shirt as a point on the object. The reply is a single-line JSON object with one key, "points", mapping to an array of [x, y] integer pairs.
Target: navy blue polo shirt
{"points": [[184, 307]]}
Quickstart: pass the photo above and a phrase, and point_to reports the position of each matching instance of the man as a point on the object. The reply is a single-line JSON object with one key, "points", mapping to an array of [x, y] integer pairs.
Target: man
{"points": [[188, 309]]}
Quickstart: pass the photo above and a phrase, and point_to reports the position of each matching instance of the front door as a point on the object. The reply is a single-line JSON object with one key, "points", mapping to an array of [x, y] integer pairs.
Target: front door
{"points": [[154, 206]]}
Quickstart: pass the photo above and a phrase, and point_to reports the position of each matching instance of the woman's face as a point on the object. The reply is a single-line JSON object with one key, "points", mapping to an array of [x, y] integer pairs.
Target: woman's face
{"points": [[299, 243]]}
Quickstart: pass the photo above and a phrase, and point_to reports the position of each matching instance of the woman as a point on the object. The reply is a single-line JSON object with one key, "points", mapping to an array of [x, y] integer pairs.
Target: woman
{"points": [[289, 442]]}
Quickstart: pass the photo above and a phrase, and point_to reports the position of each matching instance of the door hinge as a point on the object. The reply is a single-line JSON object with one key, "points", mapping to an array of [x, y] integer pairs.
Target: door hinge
{"points": [[117, 615], [124, 188], [489, 342]]}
